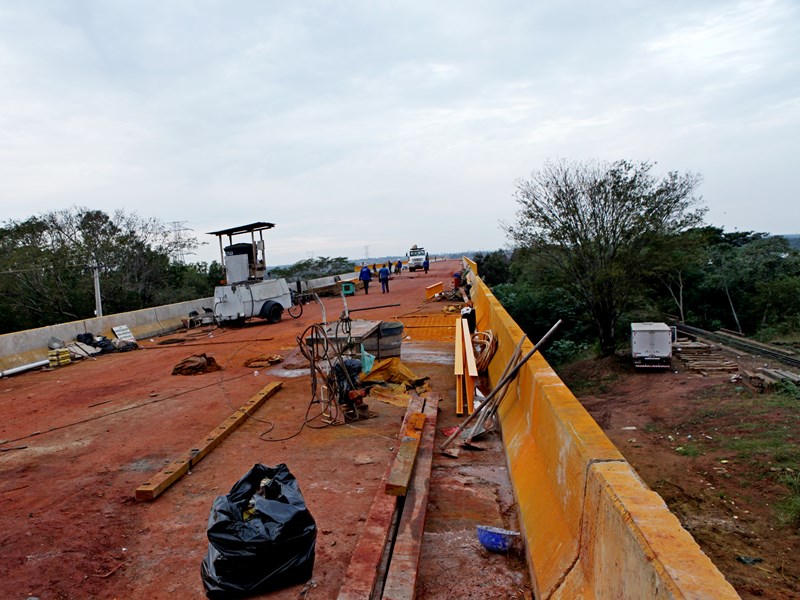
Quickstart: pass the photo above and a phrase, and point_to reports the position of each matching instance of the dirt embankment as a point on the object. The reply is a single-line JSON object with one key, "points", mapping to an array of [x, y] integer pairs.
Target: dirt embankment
{"points": [[719, 453]]}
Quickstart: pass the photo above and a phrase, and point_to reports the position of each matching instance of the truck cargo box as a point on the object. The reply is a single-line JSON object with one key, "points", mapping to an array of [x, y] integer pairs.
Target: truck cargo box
{"points": [[651, 345]]}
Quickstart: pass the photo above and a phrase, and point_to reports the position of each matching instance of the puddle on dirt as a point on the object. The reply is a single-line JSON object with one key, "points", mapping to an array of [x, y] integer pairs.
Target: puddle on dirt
{"points": [[288, 373], [413, 353], [144, 465]]}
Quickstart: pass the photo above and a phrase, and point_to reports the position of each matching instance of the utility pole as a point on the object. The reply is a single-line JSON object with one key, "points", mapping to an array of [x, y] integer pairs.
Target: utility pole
{"points": [[98, 301]]}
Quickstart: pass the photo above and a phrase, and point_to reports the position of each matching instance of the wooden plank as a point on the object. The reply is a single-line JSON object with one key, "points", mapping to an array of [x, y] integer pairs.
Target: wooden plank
{"points": [[789, 375], [156, 485], [397, 484], [362, 572], [459, 350], [459, 395], [472, 370], [401, 578], [459, 368], [432, 290]]}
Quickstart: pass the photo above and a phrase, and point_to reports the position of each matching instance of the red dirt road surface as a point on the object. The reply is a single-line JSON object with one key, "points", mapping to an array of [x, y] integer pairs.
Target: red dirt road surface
{"points": [[79, 440]]}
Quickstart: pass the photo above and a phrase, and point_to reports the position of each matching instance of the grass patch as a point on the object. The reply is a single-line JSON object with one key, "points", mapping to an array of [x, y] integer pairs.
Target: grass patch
{"points": [[581, 386], [766, 443], [789, 507], [690, 449]]}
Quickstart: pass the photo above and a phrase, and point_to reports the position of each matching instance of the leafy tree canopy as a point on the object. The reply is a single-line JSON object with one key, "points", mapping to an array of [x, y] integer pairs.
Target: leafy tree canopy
{"points": [[47, 264], [594, 226], [311, 268]]}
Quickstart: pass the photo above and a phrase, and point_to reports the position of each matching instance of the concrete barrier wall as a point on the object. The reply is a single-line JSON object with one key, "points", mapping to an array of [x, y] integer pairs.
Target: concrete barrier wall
{"points": [[592, 528], [349, 276], [26, 347]]}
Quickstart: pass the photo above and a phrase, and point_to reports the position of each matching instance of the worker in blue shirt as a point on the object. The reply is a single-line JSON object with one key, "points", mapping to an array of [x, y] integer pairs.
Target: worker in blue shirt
{"points": [[383, 275], [366, 276]]}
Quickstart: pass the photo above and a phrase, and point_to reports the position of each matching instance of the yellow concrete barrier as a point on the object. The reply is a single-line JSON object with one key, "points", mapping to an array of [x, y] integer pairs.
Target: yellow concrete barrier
{"points": [[470, 264], [592, 528]]}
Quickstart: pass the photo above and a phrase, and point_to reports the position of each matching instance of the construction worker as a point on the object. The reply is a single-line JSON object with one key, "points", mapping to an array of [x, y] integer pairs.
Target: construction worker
{"points": [[366, 276], [383, 275]]}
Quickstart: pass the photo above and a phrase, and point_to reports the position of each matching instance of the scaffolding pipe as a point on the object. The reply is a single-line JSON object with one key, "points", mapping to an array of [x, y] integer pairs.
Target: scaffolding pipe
{"points": [[20, 369]]}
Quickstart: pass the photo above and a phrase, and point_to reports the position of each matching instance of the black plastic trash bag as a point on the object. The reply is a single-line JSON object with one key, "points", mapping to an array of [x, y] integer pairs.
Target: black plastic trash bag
{"points": [[261, 536]]}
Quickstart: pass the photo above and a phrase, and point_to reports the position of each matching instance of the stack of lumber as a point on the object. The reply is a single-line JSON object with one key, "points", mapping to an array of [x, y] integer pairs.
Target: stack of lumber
{"points": [[766, 379], [466, 371], [757, 381], [775, 375], [703, 358]]}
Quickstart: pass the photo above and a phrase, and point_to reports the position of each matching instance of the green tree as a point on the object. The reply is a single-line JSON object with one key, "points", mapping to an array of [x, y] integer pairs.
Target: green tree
{"points": [[493, 267], [678, 268], [47, 264], [311, 268], [595, 224], [753, 272]]}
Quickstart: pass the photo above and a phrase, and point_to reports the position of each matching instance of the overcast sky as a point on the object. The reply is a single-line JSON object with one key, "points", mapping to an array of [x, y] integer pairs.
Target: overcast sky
{"points": [[368, 126]]}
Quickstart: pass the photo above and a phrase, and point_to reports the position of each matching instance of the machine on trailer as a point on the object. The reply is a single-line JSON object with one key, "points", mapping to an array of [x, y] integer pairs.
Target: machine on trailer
{"points": [[247, 293]]}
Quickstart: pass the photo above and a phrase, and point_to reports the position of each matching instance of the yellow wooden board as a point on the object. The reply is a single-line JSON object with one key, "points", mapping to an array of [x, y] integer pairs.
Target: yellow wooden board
{"points": [[459, 368], [471, 370], [151, 489], [400, 475]]}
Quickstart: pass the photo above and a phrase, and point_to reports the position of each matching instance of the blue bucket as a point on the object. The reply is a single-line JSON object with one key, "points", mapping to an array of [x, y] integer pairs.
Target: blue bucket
{"points": [[496, 539]]}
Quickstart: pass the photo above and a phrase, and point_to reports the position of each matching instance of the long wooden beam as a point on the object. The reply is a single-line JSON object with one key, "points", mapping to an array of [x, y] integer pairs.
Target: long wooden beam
{"points": [[401, 578], [459, 368], [151, 489], [471, 372], [362, 573], [397, 484]]}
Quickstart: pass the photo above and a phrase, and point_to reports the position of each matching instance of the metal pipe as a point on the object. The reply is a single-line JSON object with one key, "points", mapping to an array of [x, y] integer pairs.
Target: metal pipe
{"points": [[20, 369], [352, 310]]}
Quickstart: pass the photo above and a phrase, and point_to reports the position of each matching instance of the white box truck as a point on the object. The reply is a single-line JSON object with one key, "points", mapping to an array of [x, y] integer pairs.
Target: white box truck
{"points": [[651, 345], [416, 256]]}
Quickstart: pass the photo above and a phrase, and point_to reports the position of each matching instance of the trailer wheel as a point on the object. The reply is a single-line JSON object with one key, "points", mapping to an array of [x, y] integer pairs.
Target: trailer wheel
{"points": [[275, 313], [271, 311]]}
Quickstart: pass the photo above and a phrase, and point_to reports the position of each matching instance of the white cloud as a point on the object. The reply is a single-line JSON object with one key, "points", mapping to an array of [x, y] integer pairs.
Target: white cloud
{"points": [[383, 124]]}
